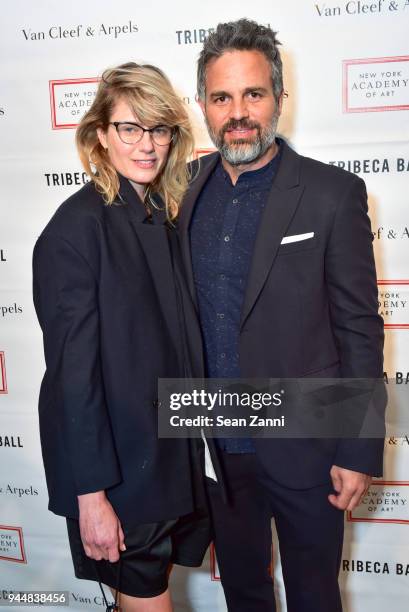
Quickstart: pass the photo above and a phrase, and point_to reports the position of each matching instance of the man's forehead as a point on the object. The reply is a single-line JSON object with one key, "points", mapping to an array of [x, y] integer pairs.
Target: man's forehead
{"points": [[237, 56], [237, 65]]}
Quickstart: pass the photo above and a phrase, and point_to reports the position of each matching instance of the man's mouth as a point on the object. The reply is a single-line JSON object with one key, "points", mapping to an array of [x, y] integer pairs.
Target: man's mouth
{"points": [[240, 131]]}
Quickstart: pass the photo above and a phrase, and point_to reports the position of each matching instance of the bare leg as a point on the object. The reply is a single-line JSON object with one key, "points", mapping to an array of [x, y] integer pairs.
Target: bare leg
{"points": [[161, 603]]}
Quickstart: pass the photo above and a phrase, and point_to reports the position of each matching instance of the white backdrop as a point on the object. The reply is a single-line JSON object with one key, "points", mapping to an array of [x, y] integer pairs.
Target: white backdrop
{"points": [[347, 76]]}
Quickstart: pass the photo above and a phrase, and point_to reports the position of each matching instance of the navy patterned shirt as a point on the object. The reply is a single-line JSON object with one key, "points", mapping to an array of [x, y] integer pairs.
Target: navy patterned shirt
{"points": [[222, 235]]}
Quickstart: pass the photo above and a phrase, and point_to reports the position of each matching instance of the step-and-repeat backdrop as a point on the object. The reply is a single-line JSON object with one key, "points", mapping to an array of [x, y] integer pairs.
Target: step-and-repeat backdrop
{"points": [[347, 77]]}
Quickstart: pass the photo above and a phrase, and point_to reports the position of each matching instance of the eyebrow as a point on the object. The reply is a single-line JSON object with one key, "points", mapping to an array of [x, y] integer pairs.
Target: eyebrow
{"points": [[217, 94]]}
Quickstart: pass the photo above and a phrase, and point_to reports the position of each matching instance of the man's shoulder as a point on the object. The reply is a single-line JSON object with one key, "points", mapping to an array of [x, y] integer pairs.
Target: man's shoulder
{"points": [[313, 170], [202, 163]]}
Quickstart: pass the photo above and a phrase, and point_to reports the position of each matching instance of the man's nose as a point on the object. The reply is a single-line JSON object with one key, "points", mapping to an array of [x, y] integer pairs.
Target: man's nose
{"points": [[238, 109]]}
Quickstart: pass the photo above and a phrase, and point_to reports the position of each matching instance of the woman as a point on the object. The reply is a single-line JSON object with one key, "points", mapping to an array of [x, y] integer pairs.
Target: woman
{"points": [[107, 302]]}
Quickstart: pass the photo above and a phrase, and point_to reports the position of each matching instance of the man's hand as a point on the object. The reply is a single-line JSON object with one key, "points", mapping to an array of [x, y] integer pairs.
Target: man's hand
{"points": [[350, 487], [101, 531]]}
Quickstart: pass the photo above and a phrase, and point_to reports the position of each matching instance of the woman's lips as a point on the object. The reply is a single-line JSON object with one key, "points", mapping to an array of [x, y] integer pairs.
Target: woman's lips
{"points": [[145, 163]]}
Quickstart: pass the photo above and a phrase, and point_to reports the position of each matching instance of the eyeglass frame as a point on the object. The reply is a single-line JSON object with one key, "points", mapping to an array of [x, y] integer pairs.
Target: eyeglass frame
{"points": [[150, 130]]}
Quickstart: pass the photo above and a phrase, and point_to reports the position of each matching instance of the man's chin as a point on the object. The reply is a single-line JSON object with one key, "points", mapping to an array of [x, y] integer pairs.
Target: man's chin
{"points": [[238, 155], [240, 142]]}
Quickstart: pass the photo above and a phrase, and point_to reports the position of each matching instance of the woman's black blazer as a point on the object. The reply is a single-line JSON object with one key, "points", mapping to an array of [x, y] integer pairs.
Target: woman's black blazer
{"points": [[105, 298]]}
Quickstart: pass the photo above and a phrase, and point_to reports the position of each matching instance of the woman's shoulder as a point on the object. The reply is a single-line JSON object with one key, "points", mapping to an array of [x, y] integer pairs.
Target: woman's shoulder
{"points": [[84, 203], [78, 220], [84, 208]]}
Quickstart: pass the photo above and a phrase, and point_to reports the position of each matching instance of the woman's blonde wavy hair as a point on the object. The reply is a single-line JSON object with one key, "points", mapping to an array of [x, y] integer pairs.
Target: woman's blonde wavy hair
{"points": [[153, 100]]}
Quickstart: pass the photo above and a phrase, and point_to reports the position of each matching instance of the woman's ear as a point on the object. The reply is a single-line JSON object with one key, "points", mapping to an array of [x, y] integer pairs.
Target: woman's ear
{"points": [[102, 137]]}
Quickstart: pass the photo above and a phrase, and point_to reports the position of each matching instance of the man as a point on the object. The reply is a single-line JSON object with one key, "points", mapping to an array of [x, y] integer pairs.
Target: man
{"points": [[278, 249]]}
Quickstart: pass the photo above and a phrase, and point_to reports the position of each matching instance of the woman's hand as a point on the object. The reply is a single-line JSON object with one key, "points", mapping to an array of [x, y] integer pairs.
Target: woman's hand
{"points": [[101, 531]]}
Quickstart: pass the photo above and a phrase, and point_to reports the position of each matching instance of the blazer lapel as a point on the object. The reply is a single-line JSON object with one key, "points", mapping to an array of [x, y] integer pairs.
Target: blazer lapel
{"points": [[154, 242], [281, 205], [201, 171]]}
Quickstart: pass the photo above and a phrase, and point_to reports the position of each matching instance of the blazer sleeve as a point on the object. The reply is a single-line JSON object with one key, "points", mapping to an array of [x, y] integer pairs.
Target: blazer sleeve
{"points": [[66, 300], [353, 301]]}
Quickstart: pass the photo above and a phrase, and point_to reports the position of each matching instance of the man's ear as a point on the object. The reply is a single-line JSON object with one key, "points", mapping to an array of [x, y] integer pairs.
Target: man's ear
{"points": [[102, 137], [283, 95]]}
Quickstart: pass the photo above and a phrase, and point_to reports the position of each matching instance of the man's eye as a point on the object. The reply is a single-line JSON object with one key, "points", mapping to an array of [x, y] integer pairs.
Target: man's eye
{"points": [[255, 95], [221, 100]]}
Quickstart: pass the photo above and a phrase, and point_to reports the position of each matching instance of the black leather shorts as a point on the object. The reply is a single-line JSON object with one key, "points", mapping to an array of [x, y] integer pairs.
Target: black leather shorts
{"points": [[150, 550]]}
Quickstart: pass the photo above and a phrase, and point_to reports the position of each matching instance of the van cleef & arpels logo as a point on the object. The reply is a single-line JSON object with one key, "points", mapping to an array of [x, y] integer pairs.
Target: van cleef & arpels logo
{"points": [[376, 84], [101, 30], [360, 7]]}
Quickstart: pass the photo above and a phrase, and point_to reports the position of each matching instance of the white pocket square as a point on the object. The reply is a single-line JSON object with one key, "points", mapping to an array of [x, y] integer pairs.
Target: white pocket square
{"points": [[297, 238]]}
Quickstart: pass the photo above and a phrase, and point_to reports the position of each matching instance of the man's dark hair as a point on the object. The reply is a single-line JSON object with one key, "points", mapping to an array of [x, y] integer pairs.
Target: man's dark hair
{"points": [[241, 35]]}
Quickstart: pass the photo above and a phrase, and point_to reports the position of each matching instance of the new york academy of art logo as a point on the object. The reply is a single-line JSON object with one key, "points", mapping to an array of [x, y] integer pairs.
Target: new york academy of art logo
{"points": [[393, 302], [70, 99], [3, 379], [376, 84], [12, 544], [385, 502]]}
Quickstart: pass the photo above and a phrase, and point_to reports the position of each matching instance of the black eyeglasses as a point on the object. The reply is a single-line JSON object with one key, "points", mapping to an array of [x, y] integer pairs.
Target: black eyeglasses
{"points": [[131, 133]]}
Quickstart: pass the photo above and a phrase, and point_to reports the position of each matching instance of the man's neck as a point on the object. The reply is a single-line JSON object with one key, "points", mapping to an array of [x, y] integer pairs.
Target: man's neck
{"points": [[235, 171]]}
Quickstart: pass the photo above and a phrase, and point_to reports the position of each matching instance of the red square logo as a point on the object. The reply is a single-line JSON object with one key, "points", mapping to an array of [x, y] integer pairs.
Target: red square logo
{"points": [[385, 502], [70, 99], [3, 379], [375, 84], [12, 544], [393, 300]]}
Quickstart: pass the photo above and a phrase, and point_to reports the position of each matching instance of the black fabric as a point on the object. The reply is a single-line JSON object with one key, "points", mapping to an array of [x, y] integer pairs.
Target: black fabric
{"points": [[310, 306], [310, 532], [105, 297], [150, 549]]}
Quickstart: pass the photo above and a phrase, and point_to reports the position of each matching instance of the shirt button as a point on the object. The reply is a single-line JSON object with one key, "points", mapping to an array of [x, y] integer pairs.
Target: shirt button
{"points": [[222, 277], [222, 355], [220, 315], [235, 201], [226, 238]]}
